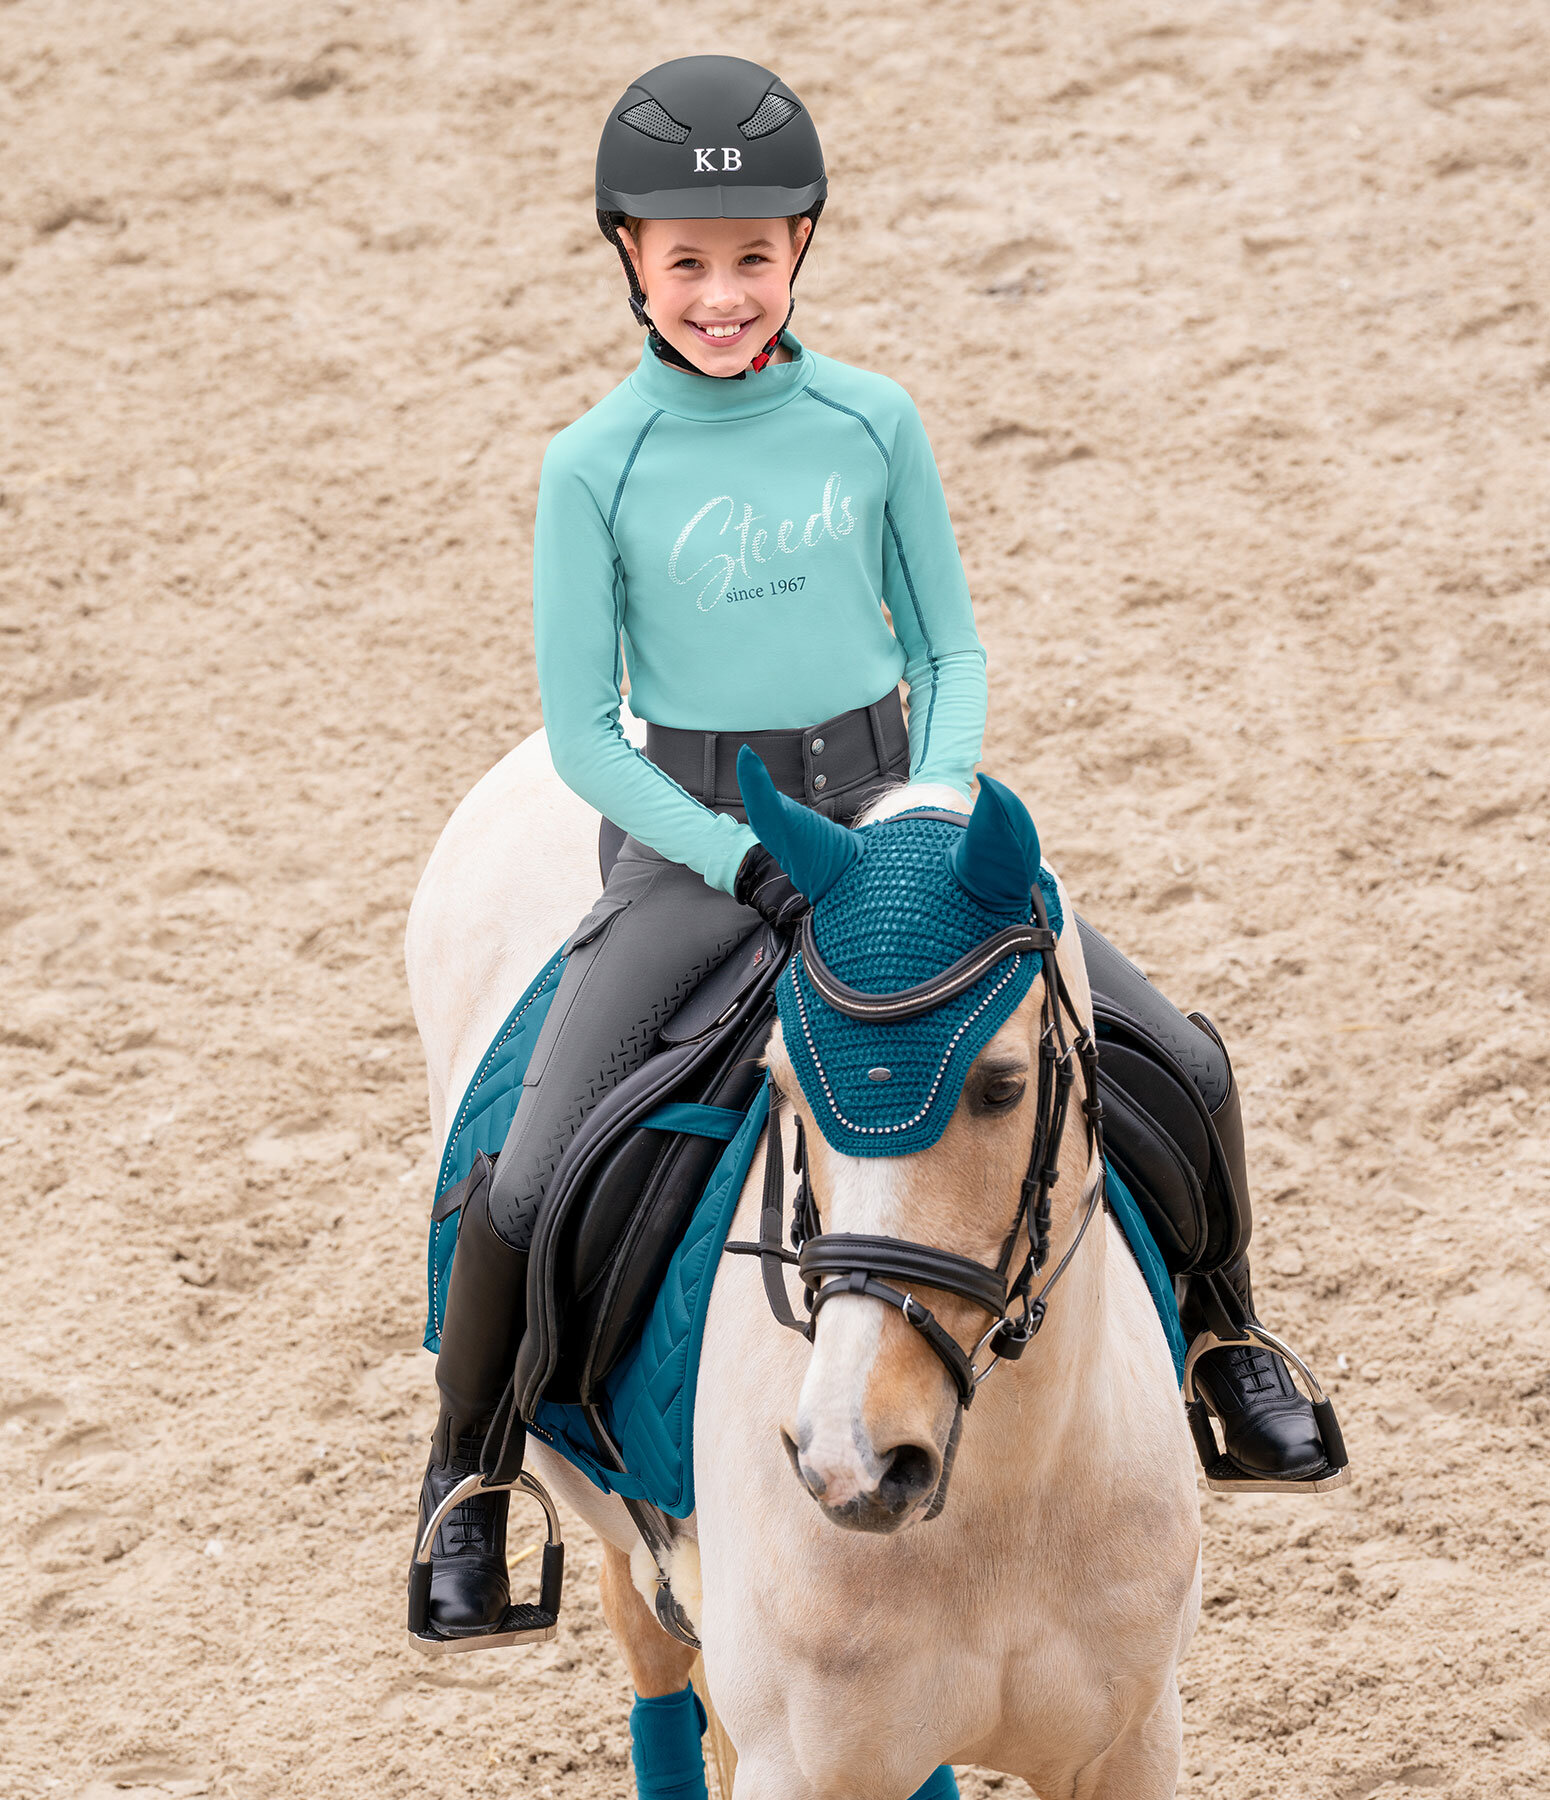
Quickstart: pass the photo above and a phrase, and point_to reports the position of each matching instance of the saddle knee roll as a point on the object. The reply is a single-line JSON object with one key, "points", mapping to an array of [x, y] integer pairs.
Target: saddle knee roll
{"points": [[1173, 1128]]}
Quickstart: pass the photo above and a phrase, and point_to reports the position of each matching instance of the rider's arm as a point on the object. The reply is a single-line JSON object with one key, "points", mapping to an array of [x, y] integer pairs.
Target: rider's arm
{"points": [[928, 599], [578, 599]]}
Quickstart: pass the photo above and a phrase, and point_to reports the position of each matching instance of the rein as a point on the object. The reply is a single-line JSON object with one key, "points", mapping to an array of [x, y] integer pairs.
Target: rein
{"points": [[836, 1263]]}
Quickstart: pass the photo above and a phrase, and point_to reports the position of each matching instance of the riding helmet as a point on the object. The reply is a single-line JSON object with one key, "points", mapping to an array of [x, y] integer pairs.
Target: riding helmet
{"points": [[706, 137]]}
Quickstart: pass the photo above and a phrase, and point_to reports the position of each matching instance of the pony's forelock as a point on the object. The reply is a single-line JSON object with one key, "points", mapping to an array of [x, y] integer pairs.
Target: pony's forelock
{"points": [[907, 794]]}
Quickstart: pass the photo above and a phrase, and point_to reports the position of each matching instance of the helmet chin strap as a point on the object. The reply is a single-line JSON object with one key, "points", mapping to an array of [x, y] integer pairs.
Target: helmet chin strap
{"points": [[668, 353]]}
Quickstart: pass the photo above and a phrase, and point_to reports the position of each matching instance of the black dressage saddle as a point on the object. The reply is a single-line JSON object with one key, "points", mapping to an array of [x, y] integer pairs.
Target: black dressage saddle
{"points": [[623, 1193]]}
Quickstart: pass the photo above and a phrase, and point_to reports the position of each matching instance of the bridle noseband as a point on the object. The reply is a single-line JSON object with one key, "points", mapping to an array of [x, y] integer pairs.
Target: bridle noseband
{"points": [[834, 1263]]}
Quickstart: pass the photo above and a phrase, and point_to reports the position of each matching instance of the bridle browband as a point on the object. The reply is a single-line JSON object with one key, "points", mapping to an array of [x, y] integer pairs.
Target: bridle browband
{"points": [[833, 1263], [926, 996]]}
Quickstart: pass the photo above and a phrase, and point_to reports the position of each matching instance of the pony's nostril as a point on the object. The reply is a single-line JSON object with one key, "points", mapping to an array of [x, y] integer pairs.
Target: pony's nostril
{"points": [[813, 1482], [910, 1474]]}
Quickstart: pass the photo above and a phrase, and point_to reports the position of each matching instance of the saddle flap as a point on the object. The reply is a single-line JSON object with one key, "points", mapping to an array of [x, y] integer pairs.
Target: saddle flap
{"points": [[1154, 1166], [622, 1190], [713, 1001]]}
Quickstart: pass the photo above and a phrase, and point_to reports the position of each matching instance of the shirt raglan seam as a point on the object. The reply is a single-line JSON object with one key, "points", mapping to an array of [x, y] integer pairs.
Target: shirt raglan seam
{"points": [[620, 586], [898, 544], [629, 463], [920, 620], [860, 418]]}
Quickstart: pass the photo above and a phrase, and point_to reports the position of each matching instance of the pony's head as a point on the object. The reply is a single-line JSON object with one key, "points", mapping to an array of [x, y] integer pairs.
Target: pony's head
{"points": [[917, 1127]]}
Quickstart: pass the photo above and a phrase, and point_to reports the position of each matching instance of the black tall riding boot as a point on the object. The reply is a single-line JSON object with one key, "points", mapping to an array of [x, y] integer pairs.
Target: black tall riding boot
{"points": [[1269, 1431], [486, 1303]]}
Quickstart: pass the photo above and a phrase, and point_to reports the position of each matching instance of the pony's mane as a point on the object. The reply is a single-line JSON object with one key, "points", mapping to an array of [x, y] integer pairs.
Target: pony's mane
{"points": [[907, 794]]}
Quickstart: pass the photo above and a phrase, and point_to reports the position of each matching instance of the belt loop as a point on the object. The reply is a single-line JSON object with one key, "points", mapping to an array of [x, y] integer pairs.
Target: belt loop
{"points": [[709, 774], [879, 747]]}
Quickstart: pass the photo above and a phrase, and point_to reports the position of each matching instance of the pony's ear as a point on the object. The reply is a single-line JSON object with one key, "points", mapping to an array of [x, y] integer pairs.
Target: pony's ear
{"points": [[996, 861], [814, 851]]}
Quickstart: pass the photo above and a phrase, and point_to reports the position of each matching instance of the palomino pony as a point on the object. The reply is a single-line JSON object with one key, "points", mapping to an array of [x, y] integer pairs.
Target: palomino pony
{"points": [[1036, 1625]]}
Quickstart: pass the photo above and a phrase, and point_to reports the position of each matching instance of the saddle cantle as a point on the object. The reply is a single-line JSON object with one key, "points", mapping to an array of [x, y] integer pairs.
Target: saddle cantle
{"points": [[624, 1190]]}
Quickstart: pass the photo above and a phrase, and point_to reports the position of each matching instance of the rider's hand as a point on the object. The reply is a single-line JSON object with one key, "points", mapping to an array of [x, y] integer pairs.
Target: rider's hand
{"points": [[765, 886]]}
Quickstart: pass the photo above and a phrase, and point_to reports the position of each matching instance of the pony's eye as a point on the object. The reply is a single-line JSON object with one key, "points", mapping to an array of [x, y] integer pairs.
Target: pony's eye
{"points": [[1002, 1091]]}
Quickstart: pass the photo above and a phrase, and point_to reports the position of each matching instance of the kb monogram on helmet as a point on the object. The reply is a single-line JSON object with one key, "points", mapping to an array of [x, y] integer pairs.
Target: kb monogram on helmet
{"points": [[730, 159]]}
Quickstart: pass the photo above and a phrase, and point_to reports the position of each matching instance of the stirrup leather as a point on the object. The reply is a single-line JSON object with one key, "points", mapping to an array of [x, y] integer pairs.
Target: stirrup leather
{"points": [[525, 1624], [1223, 1475]]}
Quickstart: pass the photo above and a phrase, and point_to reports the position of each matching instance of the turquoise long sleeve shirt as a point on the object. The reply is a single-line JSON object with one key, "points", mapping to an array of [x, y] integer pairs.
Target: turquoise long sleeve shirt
{"points": [[733, 544]]}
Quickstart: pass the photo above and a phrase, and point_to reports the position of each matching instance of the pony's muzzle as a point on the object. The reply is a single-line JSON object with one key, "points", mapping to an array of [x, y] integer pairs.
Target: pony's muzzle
{"points": [[861, 1488]]}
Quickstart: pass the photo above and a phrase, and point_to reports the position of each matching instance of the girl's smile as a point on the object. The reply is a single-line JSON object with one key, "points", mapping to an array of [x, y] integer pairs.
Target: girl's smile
{"points": [[720, 331]]}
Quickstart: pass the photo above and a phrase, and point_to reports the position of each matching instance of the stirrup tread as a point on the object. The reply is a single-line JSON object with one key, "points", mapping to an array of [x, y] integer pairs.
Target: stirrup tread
{"points": [[1223, 1475], [520, 1624]]}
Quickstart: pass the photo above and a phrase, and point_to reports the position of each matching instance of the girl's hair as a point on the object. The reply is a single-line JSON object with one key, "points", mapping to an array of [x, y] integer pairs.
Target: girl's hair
{"points": [[633, 226]]}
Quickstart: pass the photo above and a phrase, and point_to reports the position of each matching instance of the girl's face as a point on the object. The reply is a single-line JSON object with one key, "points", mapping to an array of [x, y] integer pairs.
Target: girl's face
{"points": [[717, 289]]}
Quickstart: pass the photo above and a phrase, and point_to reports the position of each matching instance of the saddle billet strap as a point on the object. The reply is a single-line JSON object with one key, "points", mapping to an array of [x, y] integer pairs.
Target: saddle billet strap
{"points": [[925, 996], [772, 1254]]}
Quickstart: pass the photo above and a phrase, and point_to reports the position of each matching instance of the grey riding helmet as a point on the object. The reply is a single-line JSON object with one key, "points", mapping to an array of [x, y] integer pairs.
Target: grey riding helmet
{"points": [[707, 137]]}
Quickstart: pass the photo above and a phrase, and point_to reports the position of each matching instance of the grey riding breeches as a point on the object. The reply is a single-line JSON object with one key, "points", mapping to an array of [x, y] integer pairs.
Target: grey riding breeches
{"points": [[656, 931]]}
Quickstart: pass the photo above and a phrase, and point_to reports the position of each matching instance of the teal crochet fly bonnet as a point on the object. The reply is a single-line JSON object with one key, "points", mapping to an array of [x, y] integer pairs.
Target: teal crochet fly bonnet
{"points": [[894, 904]]}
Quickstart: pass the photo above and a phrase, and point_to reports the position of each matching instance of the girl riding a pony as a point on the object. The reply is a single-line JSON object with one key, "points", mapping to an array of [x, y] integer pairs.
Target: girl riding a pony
{"points": [[757, 536]]}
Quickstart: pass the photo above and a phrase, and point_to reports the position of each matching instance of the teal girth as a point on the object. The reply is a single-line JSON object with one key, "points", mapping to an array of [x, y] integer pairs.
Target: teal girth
{"points": [[896, 917]]}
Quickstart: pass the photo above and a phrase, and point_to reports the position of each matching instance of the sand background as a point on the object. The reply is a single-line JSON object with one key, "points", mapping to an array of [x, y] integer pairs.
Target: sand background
{"points": [[1228, 322]]}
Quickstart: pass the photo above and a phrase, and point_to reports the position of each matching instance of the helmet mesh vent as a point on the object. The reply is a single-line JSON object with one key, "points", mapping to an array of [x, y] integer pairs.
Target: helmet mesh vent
{"points": [[650, 118], [771, 113]]}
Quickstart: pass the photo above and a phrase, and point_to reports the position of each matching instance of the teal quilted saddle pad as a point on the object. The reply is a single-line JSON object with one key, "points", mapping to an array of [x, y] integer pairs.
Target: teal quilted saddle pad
{"points": [[650, 1395]]}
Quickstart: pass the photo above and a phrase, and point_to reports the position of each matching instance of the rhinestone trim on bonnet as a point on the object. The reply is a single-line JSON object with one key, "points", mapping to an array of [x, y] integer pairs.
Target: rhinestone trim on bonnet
{"points": [[895, 918], [936, 1080]]}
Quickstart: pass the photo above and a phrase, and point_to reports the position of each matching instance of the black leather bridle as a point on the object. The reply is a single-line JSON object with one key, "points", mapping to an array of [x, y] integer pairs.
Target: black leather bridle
{"points": [[833, 1263]]}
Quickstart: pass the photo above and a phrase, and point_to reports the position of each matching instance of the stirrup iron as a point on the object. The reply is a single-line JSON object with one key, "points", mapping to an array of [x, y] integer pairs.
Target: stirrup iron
{"points": [[525, 1624], [1222, 1474]]}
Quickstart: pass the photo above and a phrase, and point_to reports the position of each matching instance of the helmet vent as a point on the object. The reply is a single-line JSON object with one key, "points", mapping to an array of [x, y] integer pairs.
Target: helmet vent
{"points": [[650, 118], [771, 113]]}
